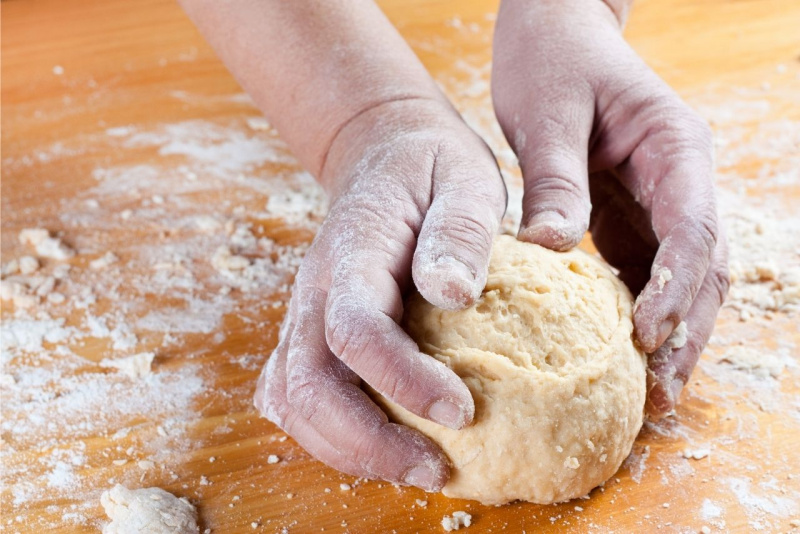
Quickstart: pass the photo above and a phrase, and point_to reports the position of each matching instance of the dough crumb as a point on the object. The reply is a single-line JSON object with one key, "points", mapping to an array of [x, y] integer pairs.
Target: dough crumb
{"points": [[421, 503], [664, 276], [103, 261], [225, 260], [258, 124], [677, 339], [572, 462], [45, 245], [345, 487], [136, 366], [705, 530], [147, 511], [695, 454], [273, 459], [458, 520], [28, 265]]}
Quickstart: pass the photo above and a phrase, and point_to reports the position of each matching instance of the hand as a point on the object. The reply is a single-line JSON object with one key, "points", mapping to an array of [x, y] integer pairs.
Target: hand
{"points": [[414, 193], [601, 139]]}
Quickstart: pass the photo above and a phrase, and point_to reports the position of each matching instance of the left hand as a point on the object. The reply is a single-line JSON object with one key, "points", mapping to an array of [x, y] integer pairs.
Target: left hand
{"points": [[601, 139]]}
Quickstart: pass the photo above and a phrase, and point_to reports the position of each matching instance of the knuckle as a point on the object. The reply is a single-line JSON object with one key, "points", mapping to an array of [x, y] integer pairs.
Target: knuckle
{"points": [[349, 332], [394, 380], [720, 280], [703, 226], [366, 452], [464, 231], [302, 393], [556, 185]]}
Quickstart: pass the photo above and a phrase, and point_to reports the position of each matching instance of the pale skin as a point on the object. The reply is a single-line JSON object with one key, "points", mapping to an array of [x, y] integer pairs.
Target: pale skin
{"points": [[416, 198]]}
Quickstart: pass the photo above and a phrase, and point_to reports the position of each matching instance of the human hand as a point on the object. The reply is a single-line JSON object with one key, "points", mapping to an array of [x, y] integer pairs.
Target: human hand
{"points": [[605, 144], [414, 192]]}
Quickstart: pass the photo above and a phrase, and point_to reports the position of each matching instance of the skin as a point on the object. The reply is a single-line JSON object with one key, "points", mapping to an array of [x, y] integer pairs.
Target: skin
{"points": [[416, 197]]}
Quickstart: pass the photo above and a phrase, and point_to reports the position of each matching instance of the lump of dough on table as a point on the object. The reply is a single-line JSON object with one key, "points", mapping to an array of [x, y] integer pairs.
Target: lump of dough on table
{"points": [[548, 355], [147, 511]]}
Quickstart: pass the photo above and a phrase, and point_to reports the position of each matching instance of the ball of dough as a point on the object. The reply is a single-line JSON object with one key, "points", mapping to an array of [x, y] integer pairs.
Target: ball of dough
{"points": [[558, 384], [147, 511]]}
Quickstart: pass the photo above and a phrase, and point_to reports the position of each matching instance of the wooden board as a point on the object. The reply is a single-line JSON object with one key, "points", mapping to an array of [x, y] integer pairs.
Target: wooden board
{"points": [[90, 89]]}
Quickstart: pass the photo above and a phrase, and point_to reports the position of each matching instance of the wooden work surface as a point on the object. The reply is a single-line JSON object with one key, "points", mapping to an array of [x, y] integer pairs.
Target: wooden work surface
{"points": [[113, 109]]}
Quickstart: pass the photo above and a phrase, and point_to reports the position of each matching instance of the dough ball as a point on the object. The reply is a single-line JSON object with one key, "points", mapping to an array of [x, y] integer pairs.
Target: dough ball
{"points": [[147, 511], [559, 386]]}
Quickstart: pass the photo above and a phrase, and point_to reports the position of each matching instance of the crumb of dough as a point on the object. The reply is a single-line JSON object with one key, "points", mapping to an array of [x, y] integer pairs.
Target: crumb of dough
{"points": [[45, 245], [258, 124], [664, 276], [103, 261], [225, 260], [766, 271], [28, 265], [421, 503], [273, 459], [147, 510], [17, 293], [696, 454], [572, 462], [459, 519], [677, 339], [345, 487], [135, 366]]}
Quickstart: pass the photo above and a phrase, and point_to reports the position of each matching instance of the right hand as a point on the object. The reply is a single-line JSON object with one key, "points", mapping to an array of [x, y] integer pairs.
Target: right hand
{"points": [[414, 193]]}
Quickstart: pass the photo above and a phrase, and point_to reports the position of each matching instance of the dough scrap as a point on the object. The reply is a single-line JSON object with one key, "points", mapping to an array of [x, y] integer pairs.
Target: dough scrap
{"points": [[136, 366], [548, 355], [147, 511]]}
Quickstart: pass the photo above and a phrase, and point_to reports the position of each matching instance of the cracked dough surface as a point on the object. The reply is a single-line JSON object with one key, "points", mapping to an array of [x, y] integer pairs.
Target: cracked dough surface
{"points": [[559, 386]]}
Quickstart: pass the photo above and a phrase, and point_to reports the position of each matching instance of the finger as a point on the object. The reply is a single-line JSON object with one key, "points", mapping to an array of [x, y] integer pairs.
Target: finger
{"points": [[684, 216], [671, 365], [326, 395], [551, 142], [363, 308], [451, 261], [270, 400], [664, 153]]}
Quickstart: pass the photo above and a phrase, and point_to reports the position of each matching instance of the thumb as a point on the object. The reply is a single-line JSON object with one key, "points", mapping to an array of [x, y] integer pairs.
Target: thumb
{"points": [[552, 147], [451, 260]]}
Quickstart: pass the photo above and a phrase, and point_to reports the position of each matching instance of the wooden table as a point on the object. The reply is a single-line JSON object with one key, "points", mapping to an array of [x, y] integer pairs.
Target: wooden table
{"points": [[122, 130]]}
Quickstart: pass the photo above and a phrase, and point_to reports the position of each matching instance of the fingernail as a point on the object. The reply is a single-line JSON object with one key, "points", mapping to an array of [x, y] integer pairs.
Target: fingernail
{"points": [[551, 229], [421, 477], [675, 387], [665, 330], [446, 413], [457, 268]]}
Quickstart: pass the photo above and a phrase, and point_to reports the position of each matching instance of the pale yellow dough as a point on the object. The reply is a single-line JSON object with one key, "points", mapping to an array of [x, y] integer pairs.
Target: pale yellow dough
{"points": [[559, 386]]}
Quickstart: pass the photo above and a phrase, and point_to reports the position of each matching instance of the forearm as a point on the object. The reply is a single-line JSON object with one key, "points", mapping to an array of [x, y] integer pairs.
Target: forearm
{"points": [[311, 66]]}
